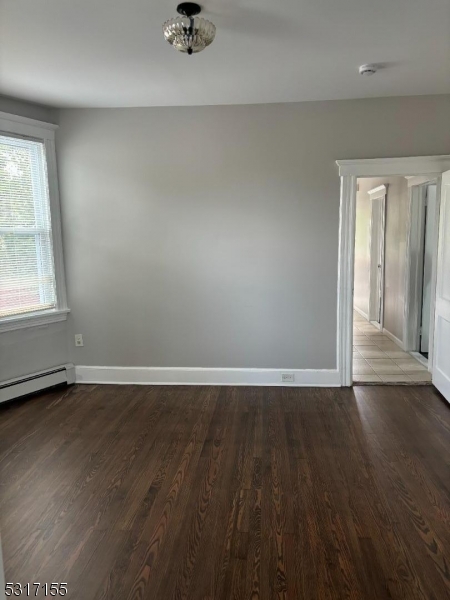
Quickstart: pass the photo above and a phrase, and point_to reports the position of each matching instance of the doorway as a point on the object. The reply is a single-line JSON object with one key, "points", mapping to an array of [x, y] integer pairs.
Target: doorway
{"points": [[381, 235], [376, 251], [349, 171], [421, 268]]}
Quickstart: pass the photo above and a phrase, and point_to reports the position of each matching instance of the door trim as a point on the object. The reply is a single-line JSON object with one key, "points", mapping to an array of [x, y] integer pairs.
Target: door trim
{"points": [[441, 376], [413, 273], [349, 171]]}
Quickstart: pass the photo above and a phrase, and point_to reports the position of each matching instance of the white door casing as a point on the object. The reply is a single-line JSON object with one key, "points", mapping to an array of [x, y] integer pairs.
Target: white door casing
{"points": [[428, 258], [415, 250], [349, 171], [441, 363]]}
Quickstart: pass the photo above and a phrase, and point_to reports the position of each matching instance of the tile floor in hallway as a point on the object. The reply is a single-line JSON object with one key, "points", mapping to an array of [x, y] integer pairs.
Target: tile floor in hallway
{"points": [[377, 359]]}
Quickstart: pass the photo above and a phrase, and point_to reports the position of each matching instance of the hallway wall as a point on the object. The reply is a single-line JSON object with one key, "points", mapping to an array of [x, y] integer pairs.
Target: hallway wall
{"points": [[395, 256], [395, 249]]}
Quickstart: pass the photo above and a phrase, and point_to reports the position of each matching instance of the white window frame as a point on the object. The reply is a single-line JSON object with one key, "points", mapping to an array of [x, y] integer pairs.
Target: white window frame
{"points": [[44, 132]]}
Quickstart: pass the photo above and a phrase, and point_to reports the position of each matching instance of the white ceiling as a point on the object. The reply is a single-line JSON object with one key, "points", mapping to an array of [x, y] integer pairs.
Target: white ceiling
{"points": [[112, 52]]}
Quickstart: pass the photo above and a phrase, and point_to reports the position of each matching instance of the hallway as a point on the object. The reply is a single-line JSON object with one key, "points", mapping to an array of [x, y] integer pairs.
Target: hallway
{"points": [[377, 359]]}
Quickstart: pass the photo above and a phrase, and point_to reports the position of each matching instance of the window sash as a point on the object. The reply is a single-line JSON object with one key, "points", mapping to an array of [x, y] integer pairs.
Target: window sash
{"points": [[29, 283]]}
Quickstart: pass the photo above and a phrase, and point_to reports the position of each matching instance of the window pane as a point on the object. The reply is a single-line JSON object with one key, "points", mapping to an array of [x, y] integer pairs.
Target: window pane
{"points": [[27, 279]]}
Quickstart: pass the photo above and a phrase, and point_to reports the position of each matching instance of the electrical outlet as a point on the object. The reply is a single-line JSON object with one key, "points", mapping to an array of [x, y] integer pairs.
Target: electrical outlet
{"points": [[78, 339], [287, 377]]}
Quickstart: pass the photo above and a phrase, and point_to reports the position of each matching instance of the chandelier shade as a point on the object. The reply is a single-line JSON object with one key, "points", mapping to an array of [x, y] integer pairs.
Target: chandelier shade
{"points": [[188, 33]]}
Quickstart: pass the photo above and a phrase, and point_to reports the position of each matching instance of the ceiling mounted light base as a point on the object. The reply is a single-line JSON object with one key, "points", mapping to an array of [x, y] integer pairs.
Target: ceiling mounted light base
{"points": [[188, 33], [189, 9]]}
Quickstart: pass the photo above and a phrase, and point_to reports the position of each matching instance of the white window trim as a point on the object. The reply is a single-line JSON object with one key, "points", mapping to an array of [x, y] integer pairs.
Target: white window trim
{"points": [[45, 132]]}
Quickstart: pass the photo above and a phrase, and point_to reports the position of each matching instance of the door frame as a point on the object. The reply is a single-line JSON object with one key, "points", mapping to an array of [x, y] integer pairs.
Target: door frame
{"points": [[378, 193], [414, 255], [349, 171]]}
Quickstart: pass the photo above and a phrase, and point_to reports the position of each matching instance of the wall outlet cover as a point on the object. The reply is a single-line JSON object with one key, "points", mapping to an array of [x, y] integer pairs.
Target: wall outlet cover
{"points": [[287, 377], [78, 339]]}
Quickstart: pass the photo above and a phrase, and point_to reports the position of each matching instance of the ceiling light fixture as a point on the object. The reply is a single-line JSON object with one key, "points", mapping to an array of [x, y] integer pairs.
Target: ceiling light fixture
{"points": [[189, 33]]}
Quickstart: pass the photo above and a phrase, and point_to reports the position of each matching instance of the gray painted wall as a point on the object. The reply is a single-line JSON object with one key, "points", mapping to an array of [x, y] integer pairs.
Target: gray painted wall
{"points": [[26, 351], [395, 249], [28, 109], [208, 236], [395, 256]]}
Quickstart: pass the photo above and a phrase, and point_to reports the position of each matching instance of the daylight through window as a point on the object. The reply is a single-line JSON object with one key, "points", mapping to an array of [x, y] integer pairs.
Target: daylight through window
{"points": [[27, 274]]}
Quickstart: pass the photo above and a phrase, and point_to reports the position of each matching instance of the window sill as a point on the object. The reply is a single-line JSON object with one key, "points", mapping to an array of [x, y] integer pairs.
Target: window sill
{"points": [[33, 319]]}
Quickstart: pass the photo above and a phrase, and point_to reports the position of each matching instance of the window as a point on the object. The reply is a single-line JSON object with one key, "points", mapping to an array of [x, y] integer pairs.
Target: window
{"points": [[31, 281]]}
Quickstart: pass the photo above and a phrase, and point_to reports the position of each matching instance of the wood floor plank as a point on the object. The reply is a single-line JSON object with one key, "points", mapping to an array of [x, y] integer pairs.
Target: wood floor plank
{"points": [[195, 493]]}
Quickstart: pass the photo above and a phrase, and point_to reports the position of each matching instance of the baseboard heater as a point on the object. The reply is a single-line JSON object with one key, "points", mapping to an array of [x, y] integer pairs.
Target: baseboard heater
{"points": [[22, 386]]}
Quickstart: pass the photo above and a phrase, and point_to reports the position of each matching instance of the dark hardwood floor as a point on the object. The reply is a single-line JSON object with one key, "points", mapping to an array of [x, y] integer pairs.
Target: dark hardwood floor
{"points": [[128, 492]]}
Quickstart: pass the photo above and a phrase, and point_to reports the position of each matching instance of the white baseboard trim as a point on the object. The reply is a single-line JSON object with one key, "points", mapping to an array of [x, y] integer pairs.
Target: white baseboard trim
{"points": [[395, 339], [420, 358], [361, 312], [35, 382], [198, 376]]}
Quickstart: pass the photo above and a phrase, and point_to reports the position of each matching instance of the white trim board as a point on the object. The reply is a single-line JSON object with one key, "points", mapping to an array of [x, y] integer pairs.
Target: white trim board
{"points": [[36, 319], [361, 312], [378, 192], [346, 264], [423, 361], [394, 338], [384, 167], [421, 179], [209, 376], [10, 123]]}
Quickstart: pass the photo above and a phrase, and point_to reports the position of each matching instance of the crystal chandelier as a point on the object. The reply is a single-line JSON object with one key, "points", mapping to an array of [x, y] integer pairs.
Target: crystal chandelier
{"points": [[189, 33]]}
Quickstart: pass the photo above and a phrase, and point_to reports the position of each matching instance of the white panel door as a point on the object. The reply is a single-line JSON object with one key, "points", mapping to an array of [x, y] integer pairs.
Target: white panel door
{"points": [[441, 364], [376, 275]]}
